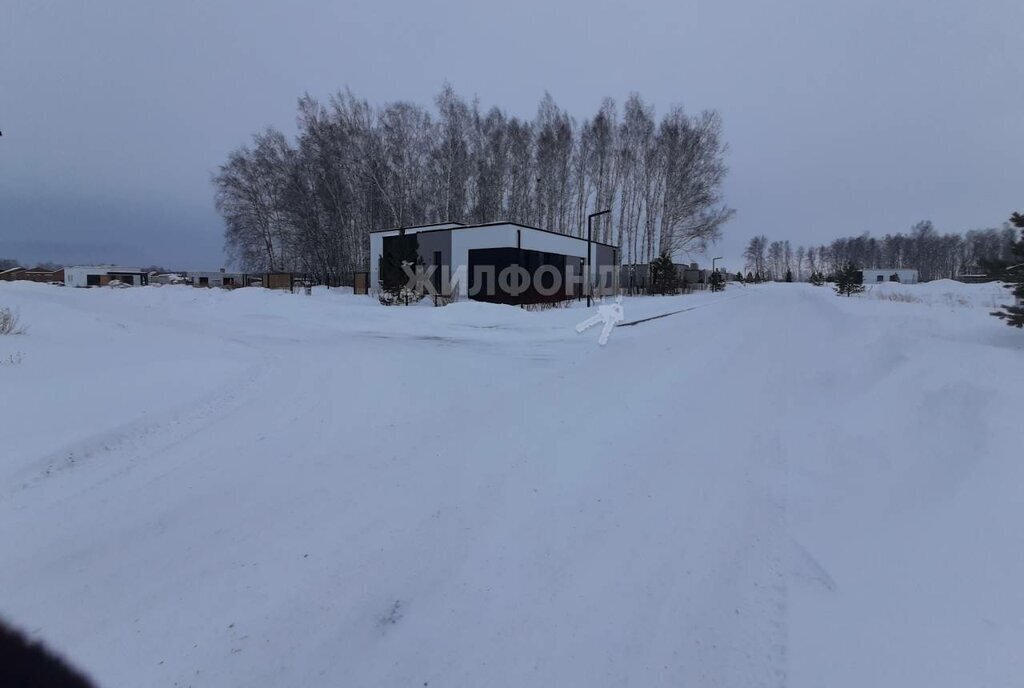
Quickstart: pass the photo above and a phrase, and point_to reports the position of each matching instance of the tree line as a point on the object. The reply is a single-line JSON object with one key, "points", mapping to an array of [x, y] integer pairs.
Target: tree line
{"points": [[309, 203], [933, 255]]}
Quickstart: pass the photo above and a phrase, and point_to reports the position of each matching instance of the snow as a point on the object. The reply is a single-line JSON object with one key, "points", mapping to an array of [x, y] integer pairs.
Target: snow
{"points": [[944, 293], [778, 487]]}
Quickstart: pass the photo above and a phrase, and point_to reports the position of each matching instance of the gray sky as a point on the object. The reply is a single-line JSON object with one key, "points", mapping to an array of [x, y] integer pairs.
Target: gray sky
{"points": [[841, 117]]}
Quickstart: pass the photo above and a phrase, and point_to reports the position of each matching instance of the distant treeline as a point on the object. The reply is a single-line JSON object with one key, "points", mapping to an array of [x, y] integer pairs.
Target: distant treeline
{"points": [[933, 255], [310, 203]]}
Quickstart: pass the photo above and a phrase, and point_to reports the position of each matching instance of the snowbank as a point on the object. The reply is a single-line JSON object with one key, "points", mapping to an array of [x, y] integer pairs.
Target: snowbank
{"points": [[945, 293]]}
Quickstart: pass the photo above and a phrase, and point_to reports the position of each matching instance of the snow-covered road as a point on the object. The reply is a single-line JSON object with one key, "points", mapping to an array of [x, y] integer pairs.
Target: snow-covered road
{"points": [[782, 488]]}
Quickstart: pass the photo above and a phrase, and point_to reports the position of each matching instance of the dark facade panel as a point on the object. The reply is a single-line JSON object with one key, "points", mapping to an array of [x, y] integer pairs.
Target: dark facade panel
{"points": [[430, 248], [486, 264], [435, 248], [606, 258], [394, 250]]}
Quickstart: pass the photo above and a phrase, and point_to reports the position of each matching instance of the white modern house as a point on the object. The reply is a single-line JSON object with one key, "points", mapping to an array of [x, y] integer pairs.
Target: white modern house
{"points": [[474, 256], [219, 278], [903, 275], [102, 275]]}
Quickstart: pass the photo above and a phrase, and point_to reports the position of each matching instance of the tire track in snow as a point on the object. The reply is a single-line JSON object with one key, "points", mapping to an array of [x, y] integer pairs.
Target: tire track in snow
{"points": [[150, 434], [778, 611], [681, 310]]}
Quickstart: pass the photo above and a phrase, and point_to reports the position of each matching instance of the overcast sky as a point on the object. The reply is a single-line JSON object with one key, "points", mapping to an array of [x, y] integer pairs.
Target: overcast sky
{"points": [[840, 117]]}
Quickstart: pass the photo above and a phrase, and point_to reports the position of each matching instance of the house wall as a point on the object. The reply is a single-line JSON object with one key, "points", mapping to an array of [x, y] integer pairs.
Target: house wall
{"points": [[217, 279], [606, 282], [167, 278], [455, 241], [79, 276], [500, 236], [376, 251], [44, 276], [552, 270], [278, 280], [132, 279], [431, 242], [377, 247], [907, 276], [206, 279]]}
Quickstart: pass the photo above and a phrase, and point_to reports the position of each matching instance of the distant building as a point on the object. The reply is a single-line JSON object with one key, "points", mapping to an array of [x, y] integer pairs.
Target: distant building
{"points": [[693, 275], [219, 278], [166, 278], [234, 280], [636, 278], [44, 275], [37, 274], [102, 275], [903, 275]]}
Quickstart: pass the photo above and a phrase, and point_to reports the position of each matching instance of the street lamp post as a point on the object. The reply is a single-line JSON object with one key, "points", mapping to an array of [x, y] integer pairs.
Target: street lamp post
{"points": [[590, 228]]}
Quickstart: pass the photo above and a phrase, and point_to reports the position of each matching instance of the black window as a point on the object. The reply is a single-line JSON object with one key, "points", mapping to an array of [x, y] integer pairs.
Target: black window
{"points": [[92, 280]]}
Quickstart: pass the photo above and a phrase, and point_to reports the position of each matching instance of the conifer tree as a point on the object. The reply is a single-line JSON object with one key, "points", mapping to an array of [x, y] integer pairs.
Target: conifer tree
{"points": [[1014, 314], [789, 275], [717, 281], [664, 276], [394, 281], [848, 280]]}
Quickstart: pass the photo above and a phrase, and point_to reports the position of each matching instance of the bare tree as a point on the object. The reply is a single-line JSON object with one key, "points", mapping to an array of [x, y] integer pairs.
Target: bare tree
{"points": [[248, 189], [310, 204], [754, 255], [450, 160], [776, 260], [492, 168]]}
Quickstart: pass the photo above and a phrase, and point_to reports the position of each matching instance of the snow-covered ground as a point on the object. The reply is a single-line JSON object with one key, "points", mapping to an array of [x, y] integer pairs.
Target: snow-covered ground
{"points": [[780, 487]]}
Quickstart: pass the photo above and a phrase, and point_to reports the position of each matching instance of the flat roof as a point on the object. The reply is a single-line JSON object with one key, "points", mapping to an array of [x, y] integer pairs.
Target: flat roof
{"points": [[446, 225], [490, 224], [114, 268]]}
